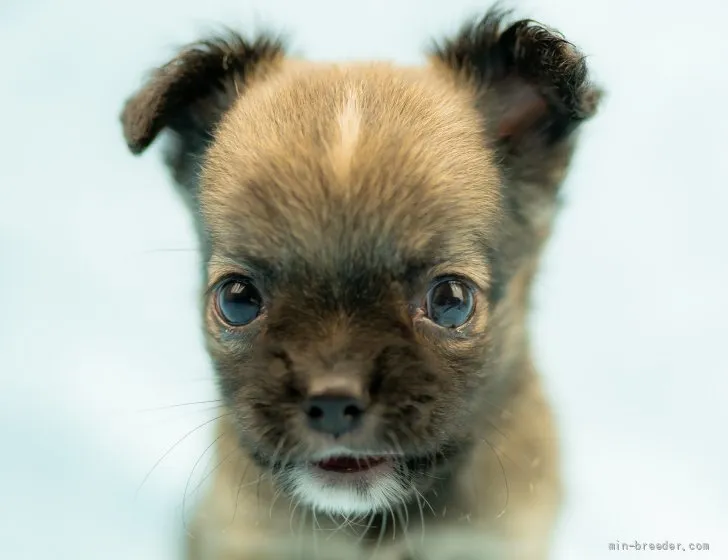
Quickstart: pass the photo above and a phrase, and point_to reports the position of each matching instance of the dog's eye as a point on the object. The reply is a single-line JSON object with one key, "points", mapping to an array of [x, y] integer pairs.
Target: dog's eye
{"points": [[238, 301], [450, 303]]}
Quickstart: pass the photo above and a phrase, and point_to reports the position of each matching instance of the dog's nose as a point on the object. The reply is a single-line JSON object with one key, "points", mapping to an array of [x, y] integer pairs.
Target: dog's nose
{"points": [[334, 415]]}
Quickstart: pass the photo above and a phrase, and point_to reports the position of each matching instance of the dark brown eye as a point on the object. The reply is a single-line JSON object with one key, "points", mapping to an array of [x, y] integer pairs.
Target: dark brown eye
{"points": [[450, 303], [238, 301]]}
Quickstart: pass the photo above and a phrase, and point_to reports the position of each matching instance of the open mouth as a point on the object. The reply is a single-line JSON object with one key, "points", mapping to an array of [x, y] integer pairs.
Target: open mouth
{"points": [[344, 464]]}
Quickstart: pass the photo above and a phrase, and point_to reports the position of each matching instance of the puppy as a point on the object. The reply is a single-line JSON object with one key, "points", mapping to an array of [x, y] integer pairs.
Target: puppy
{"points": [[370, 235]]}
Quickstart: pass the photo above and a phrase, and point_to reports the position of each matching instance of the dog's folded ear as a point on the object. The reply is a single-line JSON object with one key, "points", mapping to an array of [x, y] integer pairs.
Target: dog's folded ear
{"points": [[189, 95], [533, 85]]}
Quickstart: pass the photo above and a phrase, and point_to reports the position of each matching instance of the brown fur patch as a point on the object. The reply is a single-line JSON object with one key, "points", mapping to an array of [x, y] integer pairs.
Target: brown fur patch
{"points": [[419, 155], [343, 194]]}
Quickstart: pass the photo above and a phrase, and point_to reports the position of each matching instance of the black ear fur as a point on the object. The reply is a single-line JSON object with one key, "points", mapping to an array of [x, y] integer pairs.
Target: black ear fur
{"points": [[535, 83], [190, 93]]}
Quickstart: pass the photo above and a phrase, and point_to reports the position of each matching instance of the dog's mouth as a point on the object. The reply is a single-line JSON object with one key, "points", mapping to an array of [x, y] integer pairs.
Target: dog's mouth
{"points": [[346, 464]]}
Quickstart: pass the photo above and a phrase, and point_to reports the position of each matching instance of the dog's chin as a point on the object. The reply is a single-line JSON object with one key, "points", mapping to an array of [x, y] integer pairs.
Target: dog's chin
{"points": [[353, 484], [349, 486]]}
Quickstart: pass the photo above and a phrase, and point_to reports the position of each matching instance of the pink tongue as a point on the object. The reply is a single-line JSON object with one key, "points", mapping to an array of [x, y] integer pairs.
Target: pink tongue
{"points": [[350, 464]]}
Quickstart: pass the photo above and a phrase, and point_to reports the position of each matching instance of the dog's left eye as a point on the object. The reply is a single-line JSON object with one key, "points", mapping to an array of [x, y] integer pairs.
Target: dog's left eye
{"points": [[450, 303], [238, 301]]}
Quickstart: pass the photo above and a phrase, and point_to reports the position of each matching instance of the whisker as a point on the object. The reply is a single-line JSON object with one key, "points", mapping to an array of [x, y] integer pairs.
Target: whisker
{"points": [[301, 525], [315, 526], [405, 527], [505, 477], [257, 490], [189, 478], [382, 530], [394, 522], [405, 508], [240, 486], [425, 500], [506, 455], [208, 475], [400, 451], [170, 250], [293, 513], [422, 515], [338, 526], [167, 407], [287, 459], [366, 529], [166, 453], [273, 502], [256, 481]]}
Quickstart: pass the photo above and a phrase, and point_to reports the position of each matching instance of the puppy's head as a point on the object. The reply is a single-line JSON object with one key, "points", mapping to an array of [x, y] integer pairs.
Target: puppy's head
{"points": [[369, 234]]}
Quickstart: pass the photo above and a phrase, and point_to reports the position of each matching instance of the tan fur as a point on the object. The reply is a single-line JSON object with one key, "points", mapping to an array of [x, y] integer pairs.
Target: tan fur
{"points": [[267, 126], [343, 191], [409, 111], [510, 492]]}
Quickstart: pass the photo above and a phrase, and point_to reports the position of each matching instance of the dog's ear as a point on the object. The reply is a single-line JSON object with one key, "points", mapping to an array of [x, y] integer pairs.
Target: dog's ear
{"points": [[533, 85], [189, 95]]}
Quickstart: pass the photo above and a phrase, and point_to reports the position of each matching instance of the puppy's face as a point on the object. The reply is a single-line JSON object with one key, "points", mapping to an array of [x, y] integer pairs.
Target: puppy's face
{"points": [[358, 242], [348, 212]]}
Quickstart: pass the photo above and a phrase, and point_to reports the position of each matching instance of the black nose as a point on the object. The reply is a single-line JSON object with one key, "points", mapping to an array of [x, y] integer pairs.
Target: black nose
{"points": [[334, 415]]}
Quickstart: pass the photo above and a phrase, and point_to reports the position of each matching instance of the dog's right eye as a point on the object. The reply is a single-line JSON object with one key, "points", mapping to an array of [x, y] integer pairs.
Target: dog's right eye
{"points": [[238, 301], [450, 303]]}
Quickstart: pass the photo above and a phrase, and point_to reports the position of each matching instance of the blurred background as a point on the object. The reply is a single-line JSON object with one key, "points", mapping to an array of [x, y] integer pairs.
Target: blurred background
{"points": [[100, 338]]}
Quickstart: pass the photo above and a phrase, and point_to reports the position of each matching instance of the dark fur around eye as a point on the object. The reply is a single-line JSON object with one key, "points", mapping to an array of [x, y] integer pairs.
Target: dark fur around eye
{"points": [[237, 301], [450, 303]]}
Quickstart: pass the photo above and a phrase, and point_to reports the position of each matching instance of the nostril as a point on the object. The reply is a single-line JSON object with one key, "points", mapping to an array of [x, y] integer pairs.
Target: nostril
{"points": [[352, 410], [333, 415], [315, 412]]}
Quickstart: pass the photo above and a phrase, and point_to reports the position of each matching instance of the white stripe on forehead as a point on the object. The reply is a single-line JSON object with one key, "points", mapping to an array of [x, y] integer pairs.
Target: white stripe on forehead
{"points": [[348, 130]]}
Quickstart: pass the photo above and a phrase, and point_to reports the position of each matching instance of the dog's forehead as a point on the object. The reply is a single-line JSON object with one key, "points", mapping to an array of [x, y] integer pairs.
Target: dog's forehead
{"points": [[368, 159]]}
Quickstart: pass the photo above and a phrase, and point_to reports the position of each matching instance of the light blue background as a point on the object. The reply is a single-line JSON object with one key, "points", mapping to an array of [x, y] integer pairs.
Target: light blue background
{"points": [[98, 322]]}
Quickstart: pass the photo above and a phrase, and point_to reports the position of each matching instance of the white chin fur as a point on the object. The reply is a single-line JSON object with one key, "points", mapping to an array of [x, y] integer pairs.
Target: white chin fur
{"points": [[348, 494]]}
